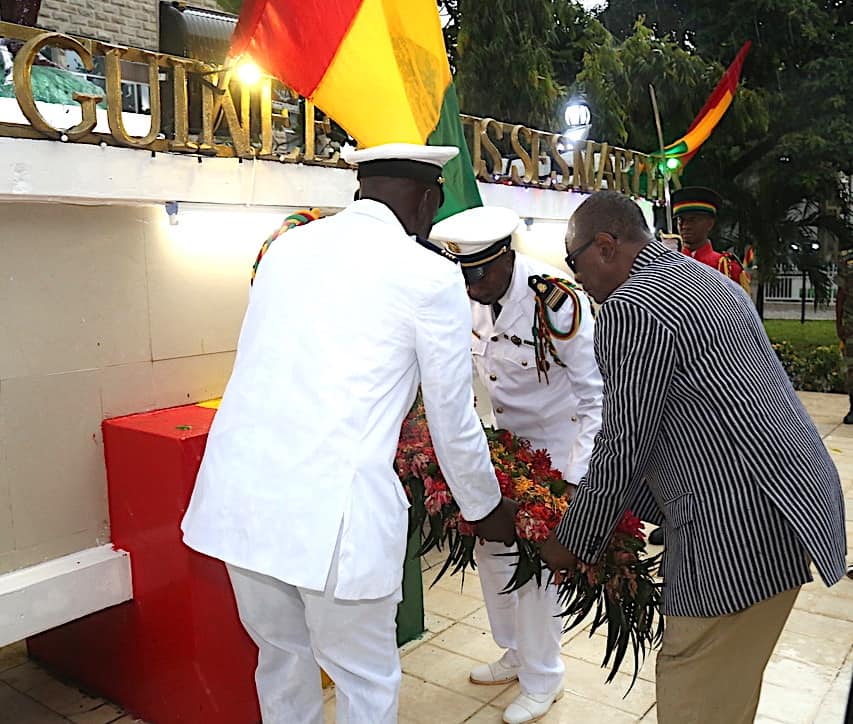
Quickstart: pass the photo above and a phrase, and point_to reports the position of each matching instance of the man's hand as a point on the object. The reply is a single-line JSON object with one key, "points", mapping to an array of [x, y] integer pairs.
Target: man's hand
{"points": [[499, 525], [556, 556]]}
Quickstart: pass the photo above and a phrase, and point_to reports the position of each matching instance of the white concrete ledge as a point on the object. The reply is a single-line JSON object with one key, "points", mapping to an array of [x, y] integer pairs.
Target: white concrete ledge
{"points": [[79, 173], [55, 592]]}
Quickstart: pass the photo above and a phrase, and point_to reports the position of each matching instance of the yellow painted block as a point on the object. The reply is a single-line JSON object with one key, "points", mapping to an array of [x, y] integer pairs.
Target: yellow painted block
{"points": [[212, 404]]}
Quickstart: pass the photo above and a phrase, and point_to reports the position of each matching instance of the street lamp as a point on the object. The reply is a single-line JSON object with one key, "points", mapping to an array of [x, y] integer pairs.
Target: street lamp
{"points": [[577, 116]]}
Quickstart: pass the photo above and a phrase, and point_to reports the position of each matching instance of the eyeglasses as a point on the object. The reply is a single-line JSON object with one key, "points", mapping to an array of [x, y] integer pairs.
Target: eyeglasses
{"points": [[572, 256]]}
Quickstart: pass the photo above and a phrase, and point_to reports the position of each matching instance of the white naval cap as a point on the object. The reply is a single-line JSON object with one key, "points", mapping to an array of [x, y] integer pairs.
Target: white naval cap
{"points": [[432, 155], [403, 160], [477, 236]]}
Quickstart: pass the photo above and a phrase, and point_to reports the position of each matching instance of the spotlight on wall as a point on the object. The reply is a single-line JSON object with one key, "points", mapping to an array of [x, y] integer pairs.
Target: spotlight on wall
{"points": [[172, 211], [248, 73]]}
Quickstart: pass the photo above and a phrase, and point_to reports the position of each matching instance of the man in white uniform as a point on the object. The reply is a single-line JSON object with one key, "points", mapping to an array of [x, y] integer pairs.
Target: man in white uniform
{"points": [[532, 345], [297, 491]]}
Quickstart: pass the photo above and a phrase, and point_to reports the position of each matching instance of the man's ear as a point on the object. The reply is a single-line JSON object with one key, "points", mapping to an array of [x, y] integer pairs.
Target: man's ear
{"points": [[606, 245]]}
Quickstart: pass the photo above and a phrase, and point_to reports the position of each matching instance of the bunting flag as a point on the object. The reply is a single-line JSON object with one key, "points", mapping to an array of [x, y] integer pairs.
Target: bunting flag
{"points": [[377, 67], [715, 107]]}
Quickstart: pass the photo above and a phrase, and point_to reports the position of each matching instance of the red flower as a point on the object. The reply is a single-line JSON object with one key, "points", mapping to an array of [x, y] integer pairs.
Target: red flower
{"points": [[420, 463], [505, 482], [435, 502], [434, 485], [506, 439], [631, 525], [466, 528], [541, 462], [531, 528]]}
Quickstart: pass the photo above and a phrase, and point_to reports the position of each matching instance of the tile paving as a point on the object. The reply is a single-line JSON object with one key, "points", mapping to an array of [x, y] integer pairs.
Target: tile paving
{"points": [[806, 682]]}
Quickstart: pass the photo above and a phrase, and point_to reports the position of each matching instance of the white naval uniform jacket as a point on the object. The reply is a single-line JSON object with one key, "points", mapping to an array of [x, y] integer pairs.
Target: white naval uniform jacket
{"points": [[346, 317], [561, 415]]}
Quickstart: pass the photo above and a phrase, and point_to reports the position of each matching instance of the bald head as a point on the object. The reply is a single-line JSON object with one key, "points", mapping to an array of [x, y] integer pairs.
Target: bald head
{"points": [[615, 213], [605, 234]]}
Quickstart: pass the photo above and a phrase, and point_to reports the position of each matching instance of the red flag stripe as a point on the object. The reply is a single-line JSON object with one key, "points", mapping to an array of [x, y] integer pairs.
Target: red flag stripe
{"points": [[294, 40], [728, 82]]}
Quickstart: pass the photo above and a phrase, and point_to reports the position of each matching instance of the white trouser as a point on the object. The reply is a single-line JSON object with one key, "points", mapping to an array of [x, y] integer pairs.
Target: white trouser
{"points": [[297, 631], [525, 622]]}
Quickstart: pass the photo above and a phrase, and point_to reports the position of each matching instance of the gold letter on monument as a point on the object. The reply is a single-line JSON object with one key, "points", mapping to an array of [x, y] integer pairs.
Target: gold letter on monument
{"points": [[114, 114], [22, 79]]}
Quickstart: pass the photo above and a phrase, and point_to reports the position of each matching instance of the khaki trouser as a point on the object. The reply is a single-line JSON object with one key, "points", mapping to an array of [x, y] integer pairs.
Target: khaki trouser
{"points": [[709, 670]]}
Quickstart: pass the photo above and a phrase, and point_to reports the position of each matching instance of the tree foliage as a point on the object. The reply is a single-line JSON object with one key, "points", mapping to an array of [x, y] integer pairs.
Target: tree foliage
{"points": [[230, 6], [504, 66], [615, 77], [782, 177]]}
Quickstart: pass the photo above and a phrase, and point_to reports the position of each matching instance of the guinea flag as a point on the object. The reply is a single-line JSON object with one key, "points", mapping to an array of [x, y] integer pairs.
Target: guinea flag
{"points": [[715, 107], [377, 67]]}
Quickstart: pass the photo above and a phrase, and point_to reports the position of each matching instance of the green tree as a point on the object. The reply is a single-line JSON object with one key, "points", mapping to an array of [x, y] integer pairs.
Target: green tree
{"points": [[230, 6], [504, 66], [450, 15], [576, 33], [800, 60], [616, 76]]}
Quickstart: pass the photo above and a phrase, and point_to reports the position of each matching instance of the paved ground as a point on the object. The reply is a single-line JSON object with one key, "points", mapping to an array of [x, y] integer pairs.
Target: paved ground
{"points": [[806, 681]]}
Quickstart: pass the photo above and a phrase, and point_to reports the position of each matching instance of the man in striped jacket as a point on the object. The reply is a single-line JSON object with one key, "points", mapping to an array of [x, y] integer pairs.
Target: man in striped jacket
{"points": [[744, 514]]}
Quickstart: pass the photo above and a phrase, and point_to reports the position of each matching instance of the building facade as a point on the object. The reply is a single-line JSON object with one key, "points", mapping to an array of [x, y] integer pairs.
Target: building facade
{"points": [[125, 22]]}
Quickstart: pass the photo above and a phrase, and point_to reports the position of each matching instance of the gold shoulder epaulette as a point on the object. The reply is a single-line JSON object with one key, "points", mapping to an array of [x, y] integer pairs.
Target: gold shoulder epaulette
{"points": [[553, 291]]}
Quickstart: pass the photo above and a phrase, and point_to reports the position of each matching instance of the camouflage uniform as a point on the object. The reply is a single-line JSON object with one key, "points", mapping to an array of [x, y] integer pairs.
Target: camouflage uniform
{"points": [[844, 320]]}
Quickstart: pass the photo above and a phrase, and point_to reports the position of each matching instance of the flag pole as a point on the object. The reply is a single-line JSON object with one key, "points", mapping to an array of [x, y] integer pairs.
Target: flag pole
{"points": [[663, 159]]}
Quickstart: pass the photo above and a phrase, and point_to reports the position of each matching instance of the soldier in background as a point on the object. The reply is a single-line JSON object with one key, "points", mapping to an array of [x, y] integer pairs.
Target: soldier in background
{"points": [[695, 210]]}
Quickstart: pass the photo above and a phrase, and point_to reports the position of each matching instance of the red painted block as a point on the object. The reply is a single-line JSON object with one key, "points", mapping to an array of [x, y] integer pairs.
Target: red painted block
{"points": [[177, 651]]}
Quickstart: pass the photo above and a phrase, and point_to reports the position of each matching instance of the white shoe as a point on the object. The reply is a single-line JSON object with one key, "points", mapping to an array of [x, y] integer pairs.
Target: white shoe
{"points": [[498, 672], [530, 707]]}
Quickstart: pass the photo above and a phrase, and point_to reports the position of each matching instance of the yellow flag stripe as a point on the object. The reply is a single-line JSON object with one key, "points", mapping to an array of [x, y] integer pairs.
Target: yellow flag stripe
{"points": [[698, 135], [388, 78]]}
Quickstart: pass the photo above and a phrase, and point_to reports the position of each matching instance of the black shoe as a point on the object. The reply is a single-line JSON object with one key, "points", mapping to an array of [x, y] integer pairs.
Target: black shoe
{"points": [[656, 537], [848, 418]]}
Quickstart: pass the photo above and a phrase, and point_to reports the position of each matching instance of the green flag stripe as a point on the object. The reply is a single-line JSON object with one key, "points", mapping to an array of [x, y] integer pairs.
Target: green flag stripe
{"points": [[460, 185]]}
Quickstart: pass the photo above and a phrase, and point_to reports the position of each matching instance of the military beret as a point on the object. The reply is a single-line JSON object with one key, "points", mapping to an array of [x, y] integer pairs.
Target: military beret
{"points": [[695, 199]]}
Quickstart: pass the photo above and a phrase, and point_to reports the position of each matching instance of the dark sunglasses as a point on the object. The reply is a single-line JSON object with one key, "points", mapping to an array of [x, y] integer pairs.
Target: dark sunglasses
{"points": [[572, 256]]}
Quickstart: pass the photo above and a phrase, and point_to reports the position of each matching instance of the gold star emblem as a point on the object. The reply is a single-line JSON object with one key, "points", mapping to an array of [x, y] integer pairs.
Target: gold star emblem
{"points": [[454, 247]]}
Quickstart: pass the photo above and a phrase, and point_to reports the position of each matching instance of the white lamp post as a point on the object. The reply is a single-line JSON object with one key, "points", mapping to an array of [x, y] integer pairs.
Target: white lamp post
{"points": [[577, 116]]}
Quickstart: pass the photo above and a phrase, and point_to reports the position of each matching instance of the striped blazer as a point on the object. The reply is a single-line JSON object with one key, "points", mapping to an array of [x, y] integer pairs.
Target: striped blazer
{"points": [[703, 432]]}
